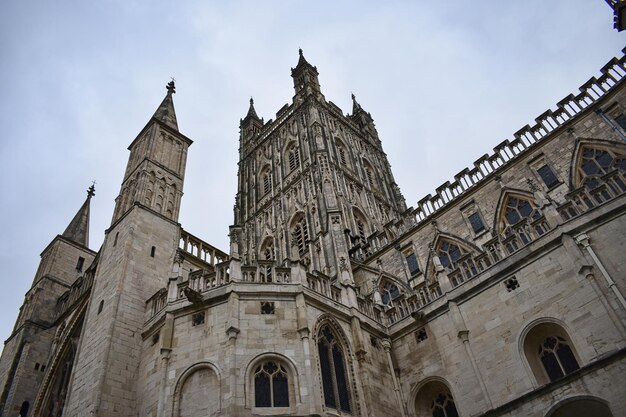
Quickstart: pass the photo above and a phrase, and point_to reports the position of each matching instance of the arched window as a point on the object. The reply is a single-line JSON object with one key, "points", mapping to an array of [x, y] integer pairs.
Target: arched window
{"points": [[557, 357], [341, 152], [515, 209], [293, 157], [369, 174], [434, 399], [300, 233], [389, 292], [550, 352], [271, 385], [594, 163], [24, 409], [266, 181], [268, 251], [333, 369], [449, 253], [360, 223]]}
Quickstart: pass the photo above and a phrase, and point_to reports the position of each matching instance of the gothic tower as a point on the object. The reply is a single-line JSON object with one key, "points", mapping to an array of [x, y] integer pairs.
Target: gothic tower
{"points": [[134, 262], [314, 184], [24, 358]]}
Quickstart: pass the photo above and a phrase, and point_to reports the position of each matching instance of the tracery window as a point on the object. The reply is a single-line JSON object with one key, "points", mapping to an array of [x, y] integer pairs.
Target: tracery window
{"points": [[389, 292], [443, 406], [515, 210], [333, 369], [268, 251], [550, 352], [360, 225], [449, 253], [271, 385], [300, 233], [557, 357], [434, 399], [595, 163]]}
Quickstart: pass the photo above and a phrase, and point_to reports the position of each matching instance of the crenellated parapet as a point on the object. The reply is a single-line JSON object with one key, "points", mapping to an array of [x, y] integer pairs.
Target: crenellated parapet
{"points": [[524, 140]]}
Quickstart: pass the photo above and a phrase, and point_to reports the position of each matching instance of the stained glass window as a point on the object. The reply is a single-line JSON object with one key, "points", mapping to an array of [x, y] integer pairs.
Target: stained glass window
{"points": [[411, 261], [595, 163], [476, 222]]}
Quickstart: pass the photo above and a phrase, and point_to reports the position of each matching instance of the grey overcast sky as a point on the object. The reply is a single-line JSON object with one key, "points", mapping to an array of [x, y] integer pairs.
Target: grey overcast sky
{"points": [[445, 81]]}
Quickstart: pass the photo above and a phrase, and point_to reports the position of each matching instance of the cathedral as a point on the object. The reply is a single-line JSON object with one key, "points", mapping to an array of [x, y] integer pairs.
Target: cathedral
{"points": [[501, 294]]}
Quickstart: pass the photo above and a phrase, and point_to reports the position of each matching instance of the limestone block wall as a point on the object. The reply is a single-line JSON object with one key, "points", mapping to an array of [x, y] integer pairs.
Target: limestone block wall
{"points": [[60, 260], [550, 289], [133, 265]]}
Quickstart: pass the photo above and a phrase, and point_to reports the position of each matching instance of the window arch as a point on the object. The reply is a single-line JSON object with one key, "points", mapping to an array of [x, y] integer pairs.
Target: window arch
{"points": [[272, 382], [361, 224], [550, 352], [581, 406], [595, 162], [271, 385], [265, 185], [369, 173], [515, 208], [197, 391], [300, 233], [334, 371], [268, 251], [388, 292], [434, 399], [341, 153], [292, 157]]}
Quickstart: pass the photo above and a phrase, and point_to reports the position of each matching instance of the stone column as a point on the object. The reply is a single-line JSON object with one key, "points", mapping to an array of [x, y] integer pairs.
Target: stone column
{"points": [[386, 343]]}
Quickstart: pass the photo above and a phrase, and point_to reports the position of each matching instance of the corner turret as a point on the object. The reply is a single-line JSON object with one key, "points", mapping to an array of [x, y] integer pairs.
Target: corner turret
{"points": [[250, 125], [305, 78]]}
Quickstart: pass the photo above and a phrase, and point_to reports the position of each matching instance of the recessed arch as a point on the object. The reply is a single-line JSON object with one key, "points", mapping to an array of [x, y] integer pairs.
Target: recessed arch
{"points": [[514, 205], [281, 361], [594, 158], [433, 397], [335, 370], [198, 391], [547, 350], [582, 405]]}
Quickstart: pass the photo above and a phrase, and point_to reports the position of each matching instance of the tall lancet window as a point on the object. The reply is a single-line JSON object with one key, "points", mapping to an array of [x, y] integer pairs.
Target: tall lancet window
{"points": [[333, 369], [300, 233]]}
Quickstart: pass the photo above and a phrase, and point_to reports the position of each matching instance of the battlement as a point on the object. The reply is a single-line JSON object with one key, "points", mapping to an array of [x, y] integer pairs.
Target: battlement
{"points": [[525, 138]]}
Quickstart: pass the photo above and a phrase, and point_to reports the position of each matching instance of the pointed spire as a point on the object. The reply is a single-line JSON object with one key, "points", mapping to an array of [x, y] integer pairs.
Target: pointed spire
{"points": [[165, 113], [78, 229], [302, 62], [355, 105], [251, 111]]}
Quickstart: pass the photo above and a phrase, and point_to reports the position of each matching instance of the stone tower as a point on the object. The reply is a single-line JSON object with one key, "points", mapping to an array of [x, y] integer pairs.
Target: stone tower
{"points": [[313, 184], [24, 358], [134, 262]]}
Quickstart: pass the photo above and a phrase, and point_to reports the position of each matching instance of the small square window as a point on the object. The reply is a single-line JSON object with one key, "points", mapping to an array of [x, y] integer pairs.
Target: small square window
{"points": [[476, 222], [267, 307], [197, 318], [548, 177], [411, 261]]}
